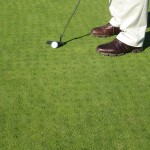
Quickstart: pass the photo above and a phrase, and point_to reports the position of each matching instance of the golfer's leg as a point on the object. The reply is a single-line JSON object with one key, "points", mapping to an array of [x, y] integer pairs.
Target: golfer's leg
{"points": [[133, 22], [115, 7]]}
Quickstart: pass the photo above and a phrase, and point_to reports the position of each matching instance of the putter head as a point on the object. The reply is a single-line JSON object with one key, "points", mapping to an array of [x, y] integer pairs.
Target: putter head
{"points": [[60, 44]]}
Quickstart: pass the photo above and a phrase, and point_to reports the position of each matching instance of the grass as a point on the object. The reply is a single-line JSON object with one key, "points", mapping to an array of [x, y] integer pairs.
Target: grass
{"points": [[69, 98]]}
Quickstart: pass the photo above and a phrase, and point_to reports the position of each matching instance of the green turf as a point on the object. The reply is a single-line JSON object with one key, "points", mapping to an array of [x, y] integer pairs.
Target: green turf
{"points": [[70, 98]]}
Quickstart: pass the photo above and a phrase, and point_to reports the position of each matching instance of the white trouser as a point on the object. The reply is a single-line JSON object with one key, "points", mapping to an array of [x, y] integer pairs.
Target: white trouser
{"points": [[131, 17]]}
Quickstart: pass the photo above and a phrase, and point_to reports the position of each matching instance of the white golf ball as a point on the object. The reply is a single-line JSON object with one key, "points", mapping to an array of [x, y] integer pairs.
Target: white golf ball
{"points": [[54, 44]]}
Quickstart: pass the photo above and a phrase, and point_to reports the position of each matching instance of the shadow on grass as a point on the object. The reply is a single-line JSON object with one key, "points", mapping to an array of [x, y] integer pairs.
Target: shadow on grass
{"points": [[148, 22], [147, 40], [78, 37], [64, 43], [147, 35]]}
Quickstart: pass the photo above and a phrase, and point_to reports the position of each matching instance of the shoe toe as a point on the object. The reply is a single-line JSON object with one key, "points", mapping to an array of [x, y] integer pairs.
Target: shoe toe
{"points": [[100, 48], [94, 31]]}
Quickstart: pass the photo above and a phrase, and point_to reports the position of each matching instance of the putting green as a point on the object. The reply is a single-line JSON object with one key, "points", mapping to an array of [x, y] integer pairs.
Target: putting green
{"points": [[70, 98]]}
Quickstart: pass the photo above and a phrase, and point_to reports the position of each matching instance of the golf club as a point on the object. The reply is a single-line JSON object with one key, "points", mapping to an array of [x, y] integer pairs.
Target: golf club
{"points": [[56, 44]]}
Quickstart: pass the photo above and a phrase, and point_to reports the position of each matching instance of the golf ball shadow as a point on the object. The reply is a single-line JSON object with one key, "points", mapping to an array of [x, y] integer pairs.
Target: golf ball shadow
{"points": [[56, 44]]}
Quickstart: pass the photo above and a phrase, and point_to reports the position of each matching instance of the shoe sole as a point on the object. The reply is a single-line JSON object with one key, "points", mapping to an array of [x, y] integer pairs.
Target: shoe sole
{"points": [[113, 55], [102, 36]]}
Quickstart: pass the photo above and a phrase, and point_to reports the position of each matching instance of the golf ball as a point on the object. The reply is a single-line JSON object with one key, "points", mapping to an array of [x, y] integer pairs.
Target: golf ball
{"points": [[54, 44]]}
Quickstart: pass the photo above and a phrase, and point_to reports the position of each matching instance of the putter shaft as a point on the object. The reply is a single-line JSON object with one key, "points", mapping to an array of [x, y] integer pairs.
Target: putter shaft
{"points": [[61, 36]]}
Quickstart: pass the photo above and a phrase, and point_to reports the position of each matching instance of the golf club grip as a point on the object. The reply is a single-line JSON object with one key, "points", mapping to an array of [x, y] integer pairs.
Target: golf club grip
{"points": [[70, 19]]}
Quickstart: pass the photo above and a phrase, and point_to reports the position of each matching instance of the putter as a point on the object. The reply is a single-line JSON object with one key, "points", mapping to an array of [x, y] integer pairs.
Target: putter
{"points": [[56, 44]]}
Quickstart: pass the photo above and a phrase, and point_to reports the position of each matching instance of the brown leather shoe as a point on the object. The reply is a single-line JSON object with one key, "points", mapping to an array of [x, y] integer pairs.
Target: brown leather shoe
{"points": [[105, 31], [117, 48]]}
